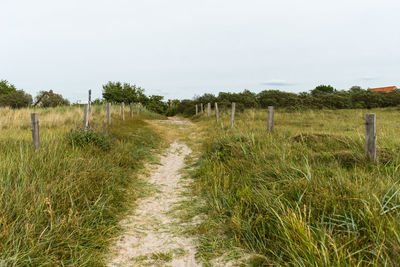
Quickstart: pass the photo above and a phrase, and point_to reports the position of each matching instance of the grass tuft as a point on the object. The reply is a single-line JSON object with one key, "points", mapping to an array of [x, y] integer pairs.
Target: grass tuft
{"points": [[82, 138], [305, 195]]}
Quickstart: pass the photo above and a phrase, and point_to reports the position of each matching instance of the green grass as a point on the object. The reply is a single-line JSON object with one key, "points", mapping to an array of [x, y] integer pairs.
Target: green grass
{"points": [[304, 195], [60, 205]]}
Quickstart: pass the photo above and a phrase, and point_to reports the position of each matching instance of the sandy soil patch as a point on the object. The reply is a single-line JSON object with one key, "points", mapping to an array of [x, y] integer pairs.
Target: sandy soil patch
{"points": [[150, 238]]}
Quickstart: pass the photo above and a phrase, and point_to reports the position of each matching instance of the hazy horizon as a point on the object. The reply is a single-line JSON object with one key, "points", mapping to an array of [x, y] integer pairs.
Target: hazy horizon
{"points": [[180, 49]]}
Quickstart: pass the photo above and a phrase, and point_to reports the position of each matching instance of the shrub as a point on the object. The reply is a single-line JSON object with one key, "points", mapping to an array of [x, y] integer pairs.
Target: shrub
{"points": [[83, 138], [50, 99], [118, 92], [185, 107], [156, 104], [11, 97], [16, 99]]}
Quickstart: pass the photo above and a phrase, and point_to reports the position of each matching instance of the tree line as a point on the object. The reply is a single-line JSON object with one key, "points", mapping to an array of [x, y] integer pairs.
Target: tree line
{"points": [[115, 92], [12, 97], [321, 97]]}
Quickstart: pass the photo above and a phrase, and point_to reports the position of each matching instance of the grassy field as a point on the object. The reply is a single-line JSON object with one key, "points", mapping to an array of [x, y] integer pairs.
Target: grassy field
{"points": [[304, 195], [60, 205]]}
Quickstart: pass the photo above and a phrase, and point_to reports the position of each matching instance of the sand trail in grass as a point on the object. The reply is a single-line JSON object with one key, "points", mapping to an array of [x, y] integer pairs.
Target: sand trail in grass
{"points": [[151, 237]]}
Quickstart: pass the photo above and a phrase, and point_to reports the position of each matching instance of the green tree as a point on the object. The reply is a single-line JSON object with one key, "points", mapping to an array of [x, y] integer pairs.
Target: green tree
{"points": [[248, 99], [356, 89], [15, 99], [11, 97], [185, 107], [6, 87], [323, 89], [117, 92], [277, 98], [206, 98], [48, 99], [156, 104]]}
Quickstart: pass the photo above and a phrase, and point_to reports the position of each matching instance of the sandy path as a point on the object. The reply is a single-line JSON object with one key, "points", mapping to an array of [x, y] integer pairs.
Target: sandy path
{"points": [[151, 237]]}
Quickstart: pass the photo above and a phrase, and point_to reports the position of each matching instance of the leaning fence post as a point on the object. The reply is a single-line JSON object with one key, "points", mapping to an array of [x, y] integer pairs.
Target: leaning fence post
{"points": [[131, 109], [216, 112], [197, 109], [35, 130], [90, 99], [123, 110], [201, 108], [86, 117], [270, 121], [233, 114], [109, 113], [370, 136], [208, 109]]}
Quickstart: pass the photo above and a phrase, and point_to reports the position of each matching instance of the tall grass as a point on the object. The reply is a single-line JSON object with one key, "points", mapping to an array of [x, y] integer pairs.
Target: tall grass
{"points": [[304, 195], [61, 204]]}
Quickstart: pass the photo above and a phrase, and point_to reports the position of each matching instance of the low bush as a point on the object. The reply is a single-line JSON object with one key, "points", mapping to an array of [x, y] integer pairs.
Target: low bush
{"points": [[15, 99], [82, 138], [50, 99]]}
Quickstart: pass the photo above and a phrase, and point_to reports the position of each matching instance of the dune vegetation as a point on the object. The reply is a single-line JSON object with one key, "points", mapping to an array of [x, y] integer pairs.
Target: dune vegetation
{"points": [[60, 205], [304, 195]]}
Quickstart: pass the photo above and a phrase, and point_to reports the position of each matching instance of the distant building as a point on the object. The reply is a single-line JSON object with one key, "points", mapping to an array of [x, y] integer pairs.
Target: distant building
{"points": [[383, 89]]}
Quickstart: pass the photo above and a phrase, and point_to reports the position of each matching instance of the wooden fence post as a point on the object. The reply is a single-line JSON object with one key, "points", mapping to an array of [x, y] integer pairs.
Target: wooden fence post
{"points": [[208, 109], [123, 110], [131, 109], [90, 99], [35, 130], [197, 109], [86, 117], [109, 113], [270, 121], [370, 136], [216, 112], [233, 114], [201, 108]]}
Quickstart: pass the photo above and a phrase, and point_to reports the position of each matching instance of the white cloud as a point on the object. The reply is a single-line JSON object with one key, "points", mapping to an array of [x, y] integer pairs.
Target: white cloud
{"points": [[277, 83]]}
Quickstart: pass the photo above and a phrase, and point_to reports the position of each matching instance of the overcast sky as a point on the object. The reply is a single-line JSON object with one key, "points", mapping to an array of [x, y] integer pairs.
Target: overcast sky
{"points": [[182, 48]]}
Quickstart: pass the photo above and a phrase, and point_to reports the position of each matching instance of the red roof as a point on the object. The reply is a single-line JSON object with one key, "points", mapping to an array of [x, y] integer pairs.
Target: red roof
{"points": [[383, 89]]}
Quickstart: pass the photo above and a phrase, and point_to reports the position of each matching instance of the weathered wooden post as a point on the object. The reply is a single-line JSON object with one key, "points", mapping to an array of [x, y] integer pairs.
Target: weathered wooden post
{"points": [[201, 108], [233, 114], [123, 110], [109, 113], [35, 130], [370, 136], [270, 121], [197, 109], [208, 109], [90, 99], [216, 112], [86, 117], [131, 109]]}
